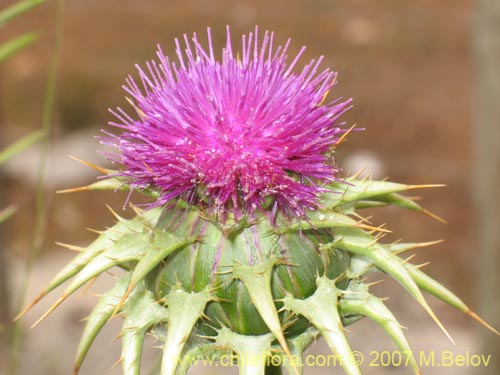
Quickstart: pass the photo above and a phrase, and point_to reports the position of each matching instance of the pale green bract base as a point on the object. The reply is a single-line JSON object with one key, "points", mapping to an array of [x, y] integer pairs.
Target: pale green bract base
{"points": [[176, 319]]}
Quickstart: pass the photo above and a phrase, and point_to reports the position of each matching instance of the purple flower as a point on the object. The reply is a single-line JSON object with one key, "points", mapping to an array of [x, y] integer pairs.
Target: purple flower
{"points": [[241, 133]]}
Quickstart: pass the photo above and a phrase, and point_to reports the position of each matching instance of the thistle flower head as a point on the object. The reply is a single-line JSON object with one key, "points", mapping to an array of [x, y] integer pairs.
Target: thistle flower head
{"points": [[238, 133]]}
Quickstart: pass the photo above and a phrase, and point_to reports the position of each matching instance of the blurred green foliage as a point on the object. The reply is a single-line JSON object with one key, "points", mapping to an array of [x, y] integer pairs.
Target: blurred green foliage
{"points": [[7, 49]]}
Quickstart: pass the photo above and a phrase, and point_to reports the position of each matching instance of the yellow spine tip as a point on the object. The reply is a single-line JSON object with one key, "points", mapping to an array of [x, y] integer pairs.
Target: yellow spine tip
{"points": [[434, 216], [91, 165], [477, 318], [30, 306]]}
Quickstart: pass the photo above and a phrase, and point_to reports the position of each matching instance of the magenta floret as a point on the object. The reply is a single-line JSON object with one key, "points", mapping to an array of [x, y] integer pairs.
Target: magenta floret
{"points": [[239, 133]]}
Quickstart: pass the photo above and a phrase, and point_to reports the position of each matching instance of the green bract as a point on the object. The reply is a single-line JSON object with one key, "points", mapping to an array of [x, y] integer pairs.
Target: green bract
{"points": [[252, 288]]}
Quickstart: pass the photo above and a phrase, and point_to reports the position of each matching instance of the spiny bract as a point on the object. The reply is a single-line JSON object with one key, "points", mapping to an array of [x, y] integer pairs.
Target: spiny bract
{"points": [[252, 247]]}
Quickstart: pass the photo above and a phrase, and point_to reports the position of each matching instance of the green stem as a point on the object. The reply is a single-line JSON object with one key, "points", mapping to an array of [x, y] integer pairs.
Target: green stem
{"points": [[40, 205]]}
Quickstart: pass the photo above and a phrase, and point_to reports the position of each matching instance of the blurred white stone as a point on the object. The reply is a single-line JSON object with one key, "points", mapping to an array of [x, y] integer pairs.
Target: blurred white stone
{"points": [[62, 171], [361, 31], [365, 161]]}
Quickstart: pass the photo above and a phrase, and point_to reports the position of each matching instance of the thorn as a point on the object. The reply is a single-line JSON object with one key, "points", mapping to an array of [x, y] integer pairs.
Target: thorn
{"points": [[86, 288], [380, 229], [122, 302], [275, 350], [205, 316], [372, 228], [70, 247], [30, 306], [223, 272], [212, 328], [120, 314], [290, 264], [347, 330], [220, 299], [118, 217], [91, 165], [206, 337], [223, 347], [358, 173], [434, 216], [436, 320], [407, 260], [95, 231], [136, 209], [288, 324], [375, 283], [344, 136], [339, 278], [429, 243], [424, 186], [349, 293], [117, 362], [362, 219], [73, 190], [52, 308], [118, 336], [136, 108], [418, 245], [477, 318], [374, 241], [423, 264]]}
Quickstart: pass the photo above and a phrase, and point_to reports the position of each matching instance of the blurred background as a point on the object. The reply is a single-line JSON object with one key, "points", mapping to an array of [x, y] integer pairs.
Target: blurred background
{"points": [[410, 68]]}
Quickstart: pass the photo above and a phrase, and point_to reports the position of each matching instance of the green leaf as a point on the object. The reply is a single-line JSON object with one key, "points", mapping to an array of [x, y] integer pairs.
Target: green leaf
{"points": [[17, 9], [355, 194], [184, 310], [111, 183], [257, 281], [298, 345], [162, 245], [108, 241], [361, 243], [20, 145], [12, 46], [318, 219], [129, 248], [141, 312], [99, 316], [354, 190], [359, 301], [395, 199], [7, 212], [321, 310]]}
